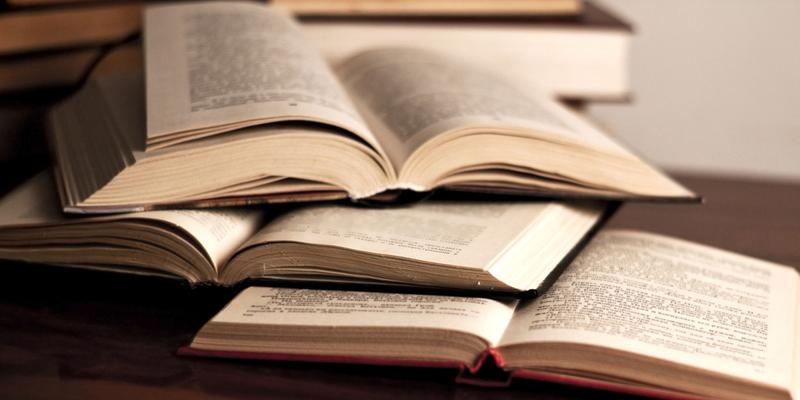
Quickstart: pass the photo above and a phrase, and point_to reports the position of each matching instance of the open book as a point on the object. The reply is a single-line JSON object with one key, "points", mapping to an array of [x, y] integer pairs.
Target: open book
{"points": [[635, 312], [240, 108], [501, 246]]}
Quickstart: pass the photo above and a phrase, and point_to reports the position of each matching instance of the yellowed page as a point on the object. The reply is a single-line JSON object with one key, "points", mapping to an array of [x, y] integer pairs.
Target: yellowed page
{"points": [[673, 300], [467, 234], [485, 318], [217, 66], [219, 232], [409, 96]]}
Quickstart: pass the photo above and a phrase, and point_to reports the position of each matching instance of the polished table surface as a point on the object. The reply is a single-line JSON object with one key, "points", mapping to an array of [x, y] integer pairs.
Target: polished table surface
{"points": [[80, 334]]}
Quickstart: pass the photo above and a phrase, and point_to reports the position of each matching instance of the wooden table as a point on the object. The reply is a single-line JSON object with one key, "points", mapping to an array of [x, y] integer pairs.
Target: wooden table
{"points": [[79, 334]]}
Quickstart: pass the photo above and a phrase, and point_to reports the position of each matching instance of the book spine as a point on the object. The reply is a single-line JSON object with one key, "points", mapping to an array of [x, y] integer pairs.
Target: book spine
{"points": [[486, 372]]}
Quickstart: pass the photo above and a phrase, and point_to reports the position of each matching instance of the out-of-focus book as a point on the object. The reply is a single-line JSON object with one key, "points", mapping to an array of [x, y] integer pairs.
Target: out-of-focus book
{"points": [[383, 7], [581, 58], [40, 29], [432, 7], [578, 57]]}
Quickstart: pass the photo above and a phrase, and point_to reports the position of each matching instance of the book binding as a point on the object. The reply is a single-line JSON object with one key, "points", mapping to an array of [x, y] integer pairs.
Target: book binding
{"points": [[486, 372]]}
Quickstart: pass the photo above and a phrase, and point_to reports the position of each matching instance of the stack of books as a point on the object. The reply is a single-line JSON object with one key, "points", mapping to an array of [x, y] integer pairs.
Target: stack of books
{"points": [[578, 50], [462, 210]]}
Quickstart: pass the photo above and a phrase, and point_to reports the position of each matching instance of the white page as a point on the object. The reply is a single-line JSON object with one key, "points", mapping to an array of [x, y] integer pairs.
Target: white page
{"points": [[467, 234], [674, 300], [229, 64], [485, 318]]}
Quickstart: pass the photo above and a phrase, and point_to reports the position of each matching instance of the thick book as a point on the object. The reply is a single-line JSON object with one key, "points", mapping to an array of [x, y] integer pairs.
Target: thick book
{"points": [[36, 30], [586, 57], [57, 69], [385, 7], [549, 46], [241, 108], [62, 69], [504, 246], [634, 313], [433, 7]]}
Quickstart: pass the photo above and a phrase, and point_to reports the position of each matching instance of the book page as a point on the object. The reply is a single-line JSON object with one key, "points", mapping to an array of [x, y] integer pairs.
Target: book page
{"points": [[485, 318], [226, 65], [409, 96], [673, 300], [219, 232], [467, 234]]}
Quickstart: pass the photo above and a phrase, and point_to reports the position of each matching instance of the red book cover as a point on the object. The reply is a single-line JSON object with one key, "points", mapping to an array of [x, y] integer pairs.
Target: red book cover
{"points": [[467, 375]]}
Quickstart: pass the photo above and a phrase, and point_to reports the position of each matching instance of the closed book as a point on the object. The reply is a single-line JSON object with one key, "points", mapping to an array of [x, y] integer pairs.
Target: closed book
{"points": [[586, 57]]}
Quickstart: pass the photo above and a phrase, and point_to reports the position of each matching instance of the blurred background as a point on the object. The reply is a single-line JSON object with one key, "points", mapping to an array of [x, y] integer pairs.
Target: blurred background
{"points": [[716, 86]]}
